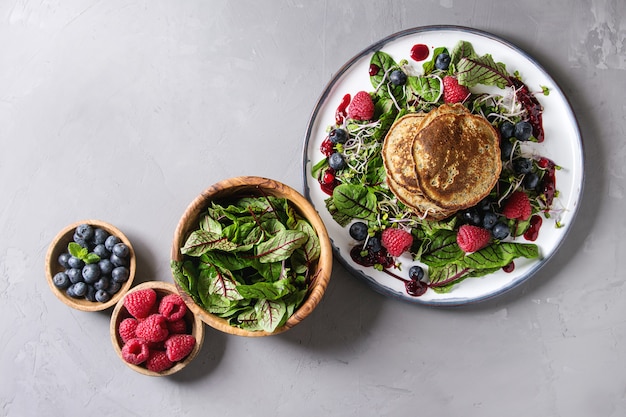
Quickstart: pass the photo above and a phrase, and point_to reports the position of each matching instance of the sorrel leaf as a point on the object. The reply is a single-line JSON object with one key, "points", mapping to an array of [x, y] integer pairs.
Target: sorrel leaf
{"points": [[482, 70], [201, 241], [269, 313], [355, 200], [280, 246]]}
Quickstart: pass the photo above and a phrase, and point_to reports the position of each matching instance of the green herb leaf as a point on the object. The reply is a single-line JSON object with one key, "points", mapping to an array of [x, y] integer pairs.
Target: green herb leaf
{"points": [[482, 70], [76, 250], [355, 200], [463, 49], [201, 241], [269, 314], [427, 87], [281, 246]]}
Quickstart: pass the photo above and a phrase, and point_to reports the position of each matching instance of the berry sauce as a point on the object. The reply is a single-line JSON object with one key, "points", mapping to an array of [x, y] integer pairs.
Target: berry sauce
{"points": [[341, 111], [413, 287], [509, 268], [419, 52], [328, 182], [373, 70], [549, 181], [532, 232], [532, 106]]}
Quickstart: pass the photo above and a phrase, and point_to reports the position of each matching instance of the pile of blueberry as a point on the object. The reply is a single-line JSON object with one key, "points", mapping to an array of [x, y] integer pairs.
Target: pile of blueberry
{"points": [[95, 267]]}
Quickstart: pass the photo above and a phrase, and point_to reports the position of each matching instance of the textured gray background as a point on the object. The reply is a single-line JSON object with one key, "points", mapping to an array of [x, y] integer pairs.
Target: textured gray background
{"points": [[125, 110]]}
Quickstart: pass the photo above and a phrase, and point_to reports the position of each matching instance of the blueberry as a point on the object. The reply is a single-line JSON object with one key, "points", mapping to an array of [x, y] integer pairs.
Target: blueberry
{"points": [[397, 77], [114, 287], [506, 149], [523, 131], [101, 251], [336, 161], [64, 260], [507, 130], [442, 62], [84, 231], [82, 242], [100, 236], [522, 165], [416, 273], [531, 181], [106, 266], [374, 244], [338, 136], [77, 290], [91, 273], [358, 231], [489, 220], [102, 283], [117, 261], [121, 250], [74, 262], [485, 205], [90, 293], [472, 216], [102, 296], [500, 230], [111, 241], [61, 280], [75, 275], [120, 274]]}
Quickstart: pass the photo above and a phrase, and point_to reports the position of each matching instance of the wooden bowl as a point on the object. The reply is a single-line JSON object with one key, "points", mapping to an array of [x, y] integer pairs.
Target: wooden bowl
{"points": [[120, 313], [59, 246], [239, 186]]}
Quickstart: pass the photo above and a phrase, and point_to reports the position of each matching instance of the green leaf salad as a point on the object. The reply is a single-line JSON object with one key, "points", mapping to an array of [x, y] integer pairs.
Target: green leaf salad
{"points": [[358, 192], [249, 261]]}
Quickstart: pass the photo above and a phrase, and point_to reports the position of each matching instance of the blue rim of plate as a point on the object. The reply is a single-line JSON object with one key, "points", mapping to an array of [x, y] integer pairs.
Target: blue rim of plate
{"points": [[448, 302]]}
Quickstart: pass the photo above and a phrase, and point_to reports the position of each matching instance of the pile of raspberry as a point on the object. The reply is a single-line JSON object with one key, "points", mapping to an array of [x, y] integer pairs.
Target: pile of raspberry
{"points": [[156, 335]]}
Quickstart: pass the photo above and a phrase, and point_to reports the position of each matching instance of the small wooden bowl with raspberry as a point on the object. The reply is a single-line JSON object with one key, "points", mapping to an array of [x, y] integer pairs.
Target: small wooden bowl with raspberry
{"points": [[153, 331]]}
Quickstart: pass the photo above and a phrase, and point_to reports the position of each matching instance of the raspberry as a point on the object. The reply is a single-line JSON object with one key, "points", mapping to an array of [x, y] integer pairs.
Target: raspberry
{"points": [[177, 327], [361, 107], [127, 329], [396, 241], [453, 92], [153, 328], [172, 307], [158, 361], [517, 206], [135, 351], [179, 346], [472, 238], [140, 303]]}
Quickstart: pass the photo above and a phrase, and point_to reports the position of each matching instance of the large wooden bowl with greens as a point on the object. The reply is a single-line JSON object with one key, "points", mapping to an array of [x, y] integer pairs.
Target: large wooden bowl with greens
{"points": [[251, 257]]}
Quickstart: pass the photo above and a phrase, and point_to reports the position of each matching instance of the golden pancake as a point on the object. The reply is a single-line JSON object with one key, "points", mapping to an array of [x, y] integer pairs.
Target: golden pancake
{"points": [[397, 150], [457, 159], [416, 202]]}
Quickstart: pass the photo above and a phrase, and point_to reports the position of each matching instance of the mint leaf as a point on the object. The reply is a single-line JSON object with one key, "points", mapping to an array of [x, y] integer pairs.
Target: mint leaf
{"points": [[76, 250], [482, 70], [91, 258]]}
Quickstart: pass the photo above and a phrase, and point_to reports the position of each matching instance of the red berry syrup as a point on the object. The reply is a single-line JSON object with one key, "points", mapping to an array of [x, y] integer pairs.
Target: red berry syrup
{"points": [[509, 268], [373, 70], [549, 180], [532, 232], [341, 112], [419, 52], [532, 106]]}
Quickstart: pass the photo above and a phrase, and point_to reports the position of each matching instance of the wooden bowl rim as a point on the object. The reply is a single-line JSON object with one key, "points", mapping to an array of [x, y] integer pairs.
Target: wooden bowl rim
{"points": [[197, 330], [52, 266], [233, 186]]}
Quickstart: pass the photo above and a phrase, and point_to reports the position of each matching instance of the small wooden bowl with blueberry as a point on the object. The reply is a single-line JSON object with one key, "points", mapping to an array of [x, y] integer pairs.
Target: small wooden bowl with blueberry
{"points": [[90, 265]]}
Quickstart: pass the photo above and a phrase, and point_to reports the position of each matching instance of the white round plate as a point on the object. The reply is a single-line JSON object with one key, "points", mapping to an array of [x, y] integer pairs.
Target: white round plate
{"points": [[562, 144]]}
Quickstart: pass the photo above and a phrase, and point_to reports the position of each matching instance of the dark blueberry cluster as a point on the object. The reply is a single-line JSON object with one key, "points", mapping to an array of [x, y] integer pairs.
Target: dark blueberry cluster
{"points": [[101, 268], [483, 215]]}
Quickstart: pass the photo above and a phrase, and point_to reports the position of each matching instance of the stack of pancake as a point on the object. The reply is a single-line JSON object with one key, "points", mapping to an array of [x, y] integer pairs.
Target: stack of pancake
{"points": [[443, 161]]}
